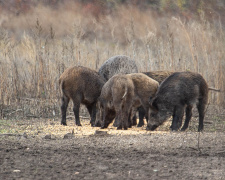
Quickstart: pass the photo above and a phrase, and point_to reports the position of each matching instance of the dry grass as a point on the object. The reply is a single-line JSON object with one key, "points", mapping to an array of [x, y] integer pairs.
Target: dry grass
{"points": [[41, 128], [51, 127], [35, 50]]}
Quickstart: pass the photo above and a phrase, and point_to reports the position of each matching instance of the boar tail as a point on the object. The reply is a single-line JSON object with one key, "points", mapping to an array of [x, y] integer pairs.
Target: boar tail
{"points": [[125, 93]]}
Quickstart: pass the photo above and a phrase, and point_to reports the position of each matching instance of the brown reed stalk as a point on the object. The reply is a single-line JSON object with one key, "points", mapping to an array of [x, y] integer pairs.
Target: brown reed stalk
{"points": [[187, 35], [34, 63]]}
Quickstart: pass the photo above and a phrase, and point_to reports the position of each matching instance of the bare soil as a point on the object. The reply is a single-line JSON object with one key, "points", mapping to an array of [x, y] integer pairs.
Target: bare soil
{"points": [[43, 149]]}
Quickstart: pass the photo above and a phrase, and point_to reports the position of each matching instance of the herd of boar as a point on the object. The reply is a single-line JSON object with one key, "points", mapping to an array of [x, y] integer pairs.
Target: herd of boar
{"points": [[118, 91]]}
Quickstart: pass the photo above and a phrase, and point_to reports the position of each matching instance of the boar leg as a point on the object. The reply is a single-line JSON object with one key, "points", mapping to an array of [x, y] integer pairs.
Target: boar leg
{"points": [[98, 120], [125, 116], [92, 112], [104, 118], [201, 111], [65, 102], [119, 120], [146, 117], [177, 117], [108, 116], [141, 114], [119, 126], [188, 117], [134, 120], [116, 122], [147, 113], [76, 108]]}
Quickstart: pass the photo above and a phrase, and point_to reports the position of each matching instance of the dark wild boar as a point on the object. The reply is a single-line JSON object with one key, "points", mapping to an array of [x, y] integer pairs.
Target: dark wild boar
{"points": [[116, 100], [83, 86], [117, 64], [178, 92], [158, 76]]}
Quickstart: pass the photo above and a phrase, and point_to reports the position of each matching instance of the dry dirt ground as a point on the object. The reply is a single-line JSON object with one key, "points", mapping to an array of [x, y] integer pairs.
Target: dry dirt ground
{"points": [[43, 149]]}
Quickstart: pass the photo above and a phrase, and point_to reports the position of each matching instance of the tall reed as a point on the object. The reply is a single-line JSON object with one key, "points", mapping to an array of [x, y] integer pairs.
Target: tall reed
{"points": [[31, 64]]}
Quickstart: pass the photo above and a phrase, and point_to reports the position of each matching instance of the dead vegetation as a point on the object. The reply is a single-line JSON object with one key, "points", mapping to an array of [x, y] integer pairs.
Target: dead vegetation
{"points": [[35, 50], [39, 43]]}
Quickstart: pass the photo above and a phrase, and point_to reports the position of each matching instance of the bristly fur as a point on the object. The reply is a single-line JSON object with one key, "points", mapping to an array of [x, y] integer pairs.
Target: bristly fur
{"points": [[117, 64], [139, 88], [116, 100], [178, 92], [82, 85], [159, 76]]}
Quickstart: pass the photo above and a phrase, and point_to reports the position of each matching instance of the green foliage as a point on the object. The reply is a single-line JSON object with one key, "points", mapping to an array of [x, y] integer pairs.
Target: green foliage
{"points": [[5, 126], [181, 3]]}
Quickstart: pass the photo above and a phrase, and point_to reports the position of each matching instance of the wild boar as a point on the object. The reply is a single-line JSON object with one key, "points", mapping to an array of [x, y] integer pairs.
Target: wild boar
{"points": [[144, 87], [117, 64], [83, 86], [178, 92], [116, 100], [158, 76]]}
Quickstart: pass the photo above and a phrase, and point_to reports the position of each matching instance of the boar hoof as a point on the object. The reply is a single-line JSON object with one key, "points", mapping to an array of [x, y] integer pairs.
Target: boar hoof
{"points": [[98, 124], [140, 125], [103, 126], [152, 128], [174, 129], [183, 128], [115, 125], [63, 123], [92, 125]]}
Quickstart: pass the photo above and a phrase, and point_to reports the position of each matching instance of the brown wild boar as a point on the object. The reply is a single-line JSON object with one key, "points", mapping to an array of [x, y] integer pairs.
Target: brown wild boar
{"points": [[116, 100], [144, 87], [180, 91], [82, 85], [117, 64], [158, 76]]}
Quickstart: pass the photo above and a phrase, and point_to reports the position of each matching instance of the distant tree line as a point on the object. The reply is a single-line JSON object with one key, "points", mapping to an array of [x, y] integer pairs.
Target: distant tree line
{"points": [[211, 8]]}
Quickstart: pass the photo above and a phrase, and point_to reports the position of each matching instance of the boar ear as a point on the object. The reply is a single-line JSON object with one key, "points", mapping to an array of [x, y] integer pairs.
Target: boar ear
{"points": [[153, 104]]}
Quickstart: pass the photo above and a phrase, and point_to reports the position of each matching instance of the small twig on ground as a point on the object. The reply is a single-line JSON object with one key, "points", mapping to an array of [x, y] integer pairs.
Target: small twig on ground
{"points": [[221, 152], [33, 116], [10, 134], [14, 112], [82, 117], [193, 148]]}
